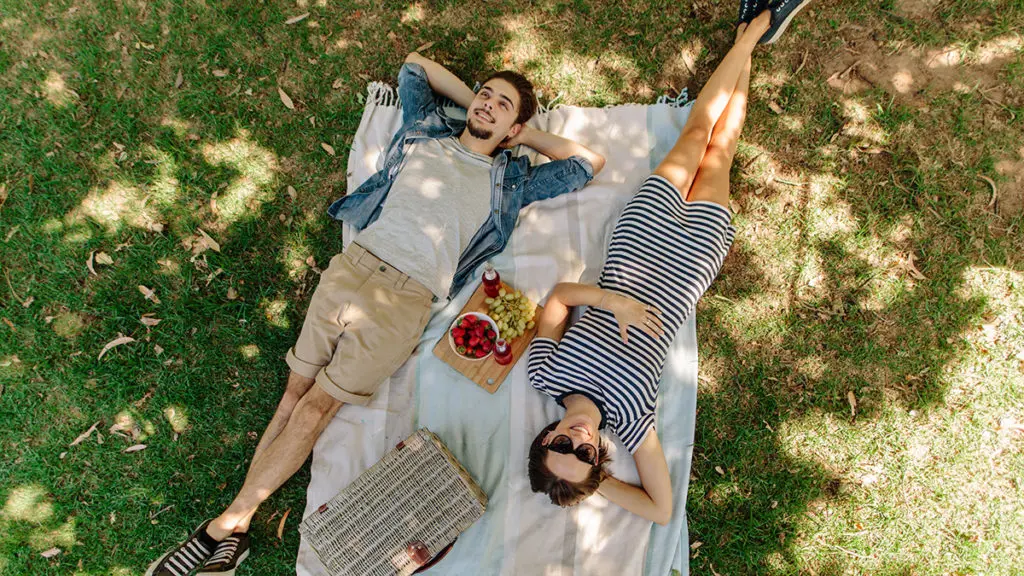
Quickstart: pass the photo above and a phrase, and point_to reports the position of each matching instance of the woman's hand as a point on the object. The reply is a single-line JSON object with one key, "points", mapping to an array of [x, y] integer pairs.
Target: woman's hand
{"points": [[629, 312]]}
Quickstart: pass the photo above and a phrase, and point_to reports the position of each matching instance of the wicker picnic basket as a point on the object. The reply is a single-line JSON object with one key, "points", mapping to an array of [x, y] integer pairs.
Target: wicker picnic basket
{"points": [[400, 516]]}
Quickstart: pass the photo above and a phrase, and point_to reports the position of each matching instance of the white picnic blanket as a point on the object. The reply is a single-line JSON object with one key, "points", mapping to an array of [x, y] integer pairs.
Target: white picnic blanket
{"points": [[561, 239]]}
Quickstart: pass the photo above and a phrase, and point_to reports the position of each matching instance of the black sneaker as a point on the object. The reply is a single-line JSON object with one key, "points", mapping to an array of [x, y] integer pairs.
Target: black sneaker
{"points": [[187, 556], [783, 12], [229, 554], [749, 9]]}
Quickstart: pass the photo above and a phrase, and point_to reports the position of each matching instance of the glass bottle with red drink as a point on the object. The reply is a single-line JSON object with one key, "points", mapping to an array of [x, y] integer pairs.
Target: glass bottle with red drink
{"points": [[492, 281], [502, 352]]}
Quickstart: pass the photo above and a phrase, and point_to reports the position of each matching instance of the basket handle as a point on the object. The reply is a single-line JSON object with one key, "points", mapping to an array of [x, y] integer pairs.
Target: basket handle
{"points": [[419, 554]]}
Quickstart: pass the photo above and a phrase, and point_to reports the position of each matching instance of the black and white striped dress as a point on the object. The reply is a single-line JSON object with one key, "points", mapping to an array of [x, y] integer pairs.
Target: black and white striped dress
{"points": [[664, 252]]}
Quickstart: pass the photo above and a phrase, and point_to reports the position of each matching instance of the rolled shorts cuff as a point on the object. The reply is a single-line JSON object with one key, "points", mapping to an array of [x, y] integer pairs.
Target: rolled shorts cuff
{"points": [[301, 367], [340, 394]]}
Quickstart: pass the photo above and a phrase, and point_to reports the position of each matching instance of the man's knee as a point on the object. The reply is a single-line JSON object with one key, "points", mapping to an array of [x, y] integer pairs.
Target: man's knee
{"points": [[297, 386], [313, 408]]}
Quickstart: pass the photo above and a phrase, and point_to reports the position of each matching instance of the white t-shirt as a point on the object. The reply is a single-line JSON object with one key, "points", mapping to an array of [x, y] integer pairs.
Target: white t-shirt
{"points": [[438, 201]]}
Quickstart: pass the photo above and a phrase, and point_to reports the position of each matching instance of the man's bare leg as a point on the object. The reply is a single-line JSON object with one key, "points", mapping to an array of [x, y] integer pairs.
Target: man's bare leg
{"points": [[281, 458], [296, 388], [681, 164], [712, 180]]}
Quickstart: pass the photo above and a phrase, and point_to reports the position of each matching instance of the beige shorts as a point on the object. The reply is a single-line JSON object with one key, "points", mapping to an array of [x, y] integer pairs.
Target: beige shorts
{"points": [[363, 322]]}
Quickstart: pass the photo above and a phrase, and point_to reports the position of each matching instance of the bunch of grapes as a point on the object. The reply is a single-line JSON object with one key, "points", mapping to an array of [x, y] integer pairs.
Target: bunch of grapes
{"points": [[512, 312]]}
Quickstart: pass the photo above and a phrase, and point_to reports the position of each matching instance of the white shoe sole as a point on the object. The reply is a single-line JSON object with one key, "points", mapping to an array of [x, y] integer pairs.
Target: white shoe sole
{"points": [[785, 24], [229, 572]]}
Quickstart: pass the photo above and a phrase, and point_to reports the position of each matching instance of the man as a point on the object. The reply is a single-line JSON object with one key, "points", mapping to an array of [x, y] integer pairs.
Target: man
{"points": [[445, 201]]}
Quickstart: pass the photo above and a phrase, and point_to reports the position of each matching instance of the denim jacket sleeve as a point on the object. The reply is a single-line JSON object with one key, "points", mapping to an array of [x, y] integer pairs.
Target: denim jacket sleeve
{"points": [[556, 178], [415, 93]]}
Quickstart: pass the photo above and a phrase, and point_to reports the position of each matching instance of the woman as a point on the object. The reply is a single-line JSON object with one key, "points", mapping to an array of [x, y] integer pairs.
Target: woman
{"points": [[667, 247]]}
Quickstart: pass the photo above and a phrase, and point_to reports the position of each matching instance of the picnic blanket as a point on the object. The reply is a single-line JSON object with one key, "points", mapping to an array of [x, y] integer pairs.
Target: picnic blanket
{"points": [[561, 239]]}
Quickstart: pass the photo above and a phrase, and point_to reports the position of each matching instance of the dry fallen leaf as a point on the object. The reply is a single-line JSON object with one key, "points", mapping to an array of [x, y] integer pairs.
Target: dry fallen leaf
{"points": [[232, 293], [158, 349], [424, 47], [50, 553], [292, 193], [114, 343], [85, 434], [327, 148], [296, 19], [135, 448], [220, 73], [104, 258], [337, 83], [280, 526], [912, 268], [210, 242], [88, 263], [285, 99], [148, 320], [774, 106], [853, 403], [149, 294], [995, 191], [28, 301], [178, 79], [719, 470]]}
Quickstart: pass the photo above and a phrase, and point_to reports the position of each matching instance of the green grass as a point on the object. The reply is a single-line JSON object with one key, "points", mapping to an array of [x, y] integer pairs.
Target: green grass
{"points": [[102, 153]]}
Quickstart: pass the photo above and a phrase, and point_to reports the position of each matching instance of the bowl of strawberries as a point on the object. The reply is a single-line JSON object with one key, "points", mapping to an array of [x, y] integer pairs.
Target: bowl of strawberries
{"points": [[472, 336]]}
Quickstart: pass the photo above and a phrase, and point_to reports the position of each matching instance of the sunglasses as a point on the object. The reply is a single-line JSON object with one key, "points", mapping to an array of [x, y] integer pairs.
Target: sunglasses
{"points": [[585, 453]]}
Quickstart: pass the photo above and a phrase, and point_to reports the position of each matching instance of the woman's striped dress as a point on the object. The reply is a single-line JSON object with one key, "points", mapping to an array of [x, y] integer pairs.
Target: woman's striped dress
{"points": [[664, 252]]}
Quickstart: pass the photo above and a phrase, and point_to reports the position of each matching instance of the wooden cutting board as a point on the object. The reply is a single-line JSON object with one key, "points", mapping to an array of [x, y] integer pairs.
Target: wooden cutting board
{"points": [[487, 373]]}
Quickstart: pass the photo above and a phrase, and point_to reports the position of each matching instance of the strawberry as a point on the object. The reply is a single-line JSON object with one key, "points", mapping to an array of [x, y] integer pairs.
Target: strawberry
{"points": [[460, 341], [486, 345], [480, 353], [461, 350], [458, 332], [474, 341], [471, 319], [491, 334], [479, 330]]}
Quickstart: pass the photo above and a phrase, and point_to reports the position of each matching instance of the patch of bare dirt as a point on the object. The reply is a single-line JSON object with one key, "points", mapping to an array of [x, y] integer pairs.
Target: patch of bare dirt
{"points": [[1010, 200], [907, 73], [917, 8]]}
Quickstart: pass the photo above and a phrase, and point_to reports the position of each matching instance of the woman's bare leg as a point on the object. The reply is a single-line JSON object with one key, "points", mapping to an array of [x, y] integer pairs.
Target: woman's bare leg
{"points": [[681, 164], [712, 180]]}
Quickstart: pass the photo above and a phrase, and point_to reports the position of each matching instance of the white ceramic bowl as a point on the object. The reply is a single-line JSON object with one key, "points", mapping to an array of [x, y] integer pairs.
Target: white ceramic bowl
{"points": [[481, 316]]}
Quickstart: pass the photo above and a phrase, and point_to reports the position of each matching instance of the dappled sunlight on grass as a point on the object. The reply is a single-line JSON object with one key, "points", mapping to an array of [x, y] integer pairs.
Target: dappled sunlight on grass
{"points": [[177, 417], [56, 90], [113, 206], [249, 351], [29, 504], [256, 167], [63, 536], [276, 312]]}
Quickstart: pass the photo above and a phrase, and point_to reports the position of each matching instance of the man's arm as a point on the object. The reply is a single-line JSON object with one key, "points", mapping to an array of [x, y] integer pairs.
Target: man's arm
{"points": [[442, 81], [555, 147], [653, 499]]}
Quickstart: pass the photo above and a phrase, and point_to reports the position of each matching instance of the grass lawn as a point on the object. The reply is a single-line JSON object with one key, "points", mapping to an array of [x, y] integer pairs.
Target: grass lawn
{"points": [[862, 353]]}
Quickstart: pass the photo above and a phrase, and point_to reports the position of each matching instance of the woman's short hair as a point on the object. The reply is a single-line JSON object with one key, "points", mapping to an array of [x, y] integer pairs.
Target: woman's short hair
{"points": [[563, 492]]}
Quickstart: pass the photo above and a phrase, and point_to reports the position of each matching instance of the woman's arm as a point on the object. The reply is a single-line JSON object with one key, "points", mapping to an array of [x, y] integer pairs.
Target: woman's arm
{"points": [[442, 81], [653, 499], [628, 312], [555, 147]]}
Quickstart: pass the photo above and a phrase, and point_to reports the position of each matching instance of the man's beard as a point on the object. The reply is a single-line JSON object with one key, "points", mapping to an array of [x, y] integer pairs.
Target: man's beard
{"points": [[478, 132]]}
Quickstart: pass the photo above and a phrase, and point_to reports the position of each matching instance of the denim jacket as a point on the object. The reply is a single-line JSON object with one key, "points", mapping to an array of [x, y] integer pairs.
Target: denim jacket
{"points": [[514, 182]]}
